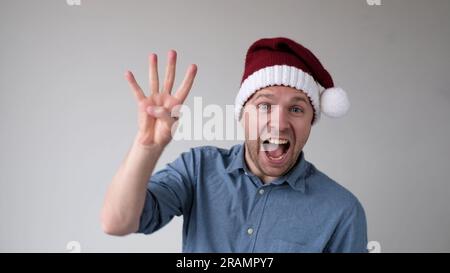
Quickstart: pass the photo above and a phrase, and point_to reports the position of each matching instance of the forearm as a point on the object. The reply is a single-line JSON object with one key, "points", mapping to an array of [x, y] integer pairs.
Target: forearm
{"points": [[125, 197]]}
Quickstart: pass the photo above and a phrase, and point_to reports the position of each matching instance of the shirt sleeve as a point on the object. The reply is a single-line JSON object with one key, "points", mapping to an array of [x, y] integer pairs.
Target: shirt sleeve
{"points": [[350, 235], [169, 193]]}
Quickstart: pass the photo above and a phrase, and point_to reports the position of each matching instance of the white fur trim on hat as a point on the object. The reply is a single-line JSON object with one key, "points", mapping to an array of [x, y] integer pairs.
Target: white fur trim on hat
{"points": [[279, 75]]}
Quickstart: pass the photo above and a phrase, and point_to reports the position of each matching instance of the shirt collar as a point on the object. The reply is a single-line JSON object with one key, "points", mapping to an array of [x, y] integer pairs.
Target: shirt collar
{"points": [[237, 162], [295, 177]]}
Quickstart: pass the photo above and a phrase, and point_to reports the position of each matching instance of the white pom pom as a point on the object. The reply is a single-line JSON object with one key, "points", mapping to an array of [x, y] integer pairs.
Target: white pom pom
{"points": [[334, 102]]}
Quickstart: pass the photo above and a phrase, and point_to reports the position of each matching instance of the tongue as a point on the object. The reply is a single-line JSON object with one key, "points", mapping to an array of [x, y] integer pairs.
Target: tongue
{"points": [[276, 152]]}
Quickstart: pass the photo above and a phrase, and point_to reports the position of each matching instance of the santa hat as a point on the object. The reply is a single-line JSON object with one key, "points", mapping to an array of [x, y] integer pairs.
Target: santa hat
{"points": [[281, 61]]}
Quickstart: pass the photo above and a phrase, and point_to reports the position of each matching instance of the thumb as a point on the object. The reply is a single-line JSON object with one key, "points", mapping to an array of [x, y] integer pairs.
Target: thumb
{"points": [[160, 112]]}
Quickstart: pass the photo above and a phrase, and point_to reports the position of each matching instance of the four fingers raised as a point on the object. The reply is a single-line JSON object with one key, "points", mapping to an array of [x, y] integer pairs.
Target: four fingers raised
{"points": [[182, 91]]}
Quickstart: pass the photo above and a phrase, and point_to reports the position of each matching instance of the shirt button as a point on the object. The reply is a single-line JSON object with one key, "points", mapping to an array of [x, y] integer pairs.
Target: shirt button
{"points": [[261, 191], [250, 231]]}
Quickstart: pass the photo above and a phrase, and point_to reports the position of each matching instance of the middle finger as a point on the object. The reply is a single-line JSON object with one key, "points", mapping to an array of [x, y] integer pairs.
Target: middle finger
{"points": [[170, 71], [153, 74]]}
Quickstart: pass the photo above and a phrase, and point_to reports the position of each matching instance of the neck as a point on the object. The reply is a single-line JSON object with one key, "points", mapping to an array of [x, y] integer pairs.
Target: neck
{"points": [[254, 169]]}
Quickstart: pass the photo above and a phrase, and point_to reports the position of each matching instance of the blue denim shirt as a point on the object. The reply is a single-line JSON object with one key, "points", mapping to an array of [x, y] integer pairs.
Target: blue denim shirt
{"points": [[228, 209]]}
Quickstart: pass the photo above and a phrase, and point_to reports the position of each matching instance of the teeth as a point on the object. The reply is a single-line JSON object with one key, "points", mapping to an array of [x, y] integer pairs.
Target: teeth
{"points": [[277, 141], [276, 158]]}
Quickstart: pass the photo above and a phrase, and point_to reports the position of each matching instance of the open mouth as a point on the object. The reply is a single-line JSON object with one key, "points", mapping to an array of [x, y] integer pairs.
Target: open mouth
{"points": [[276, 149]]}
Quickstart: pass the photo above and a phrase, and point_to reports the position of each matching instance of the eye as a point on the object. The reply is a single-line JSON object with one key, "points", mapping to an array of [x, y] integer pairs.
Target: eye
{"points": [[297, 109], [264, 107]]}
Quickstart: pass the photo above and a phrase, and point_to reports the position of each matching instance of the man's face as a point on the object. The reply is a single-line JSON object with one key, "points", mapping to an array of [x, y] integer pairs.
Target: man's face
{"points": [[277, 122]]}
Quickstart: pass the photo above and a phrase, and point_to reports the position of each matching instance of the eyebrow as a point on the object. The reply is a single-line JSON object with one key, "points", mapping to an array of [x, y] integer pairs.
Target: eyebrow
{"points": [[270, 96], [300, 99]]}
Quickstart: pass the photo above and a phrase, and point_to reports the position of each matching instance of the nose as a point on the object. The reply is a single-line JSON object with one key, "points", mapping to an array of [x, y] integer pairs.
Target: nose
{"points": [[278, 119]]}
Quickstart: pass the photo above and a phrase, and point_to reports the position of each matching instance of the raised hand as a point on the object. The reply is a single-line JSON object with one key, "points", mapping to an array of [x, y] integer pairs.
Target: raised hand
{"points": [[155, 110]]}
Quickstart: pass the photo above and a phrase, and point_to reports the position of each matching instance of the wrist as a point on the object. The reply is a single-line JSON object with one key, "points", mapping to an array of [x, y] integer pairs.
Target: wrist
{"points": [[143, 142]]}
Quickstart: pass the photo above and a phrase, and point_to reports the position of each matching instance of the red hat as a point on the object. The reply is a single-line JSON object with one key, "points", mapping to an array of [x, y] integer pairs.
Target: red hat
{"points": [[281, 61]]}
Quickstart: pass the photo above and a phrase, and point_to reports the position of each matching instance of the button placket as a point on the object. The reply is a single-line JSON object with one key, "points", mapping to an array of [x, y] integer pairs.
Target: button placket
{"points": [[251, 231]]}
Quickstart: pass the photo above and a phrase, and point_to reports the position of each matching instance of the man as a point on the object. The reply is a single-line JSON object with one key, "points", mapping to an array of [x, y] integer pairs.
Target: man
{"points": [[262, 196]]}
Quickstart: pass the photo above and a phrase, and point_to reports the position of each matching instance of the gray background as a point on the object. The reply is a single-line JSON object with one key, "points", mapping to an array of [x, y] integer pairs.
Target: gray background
{"points": [[67, 116]]}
